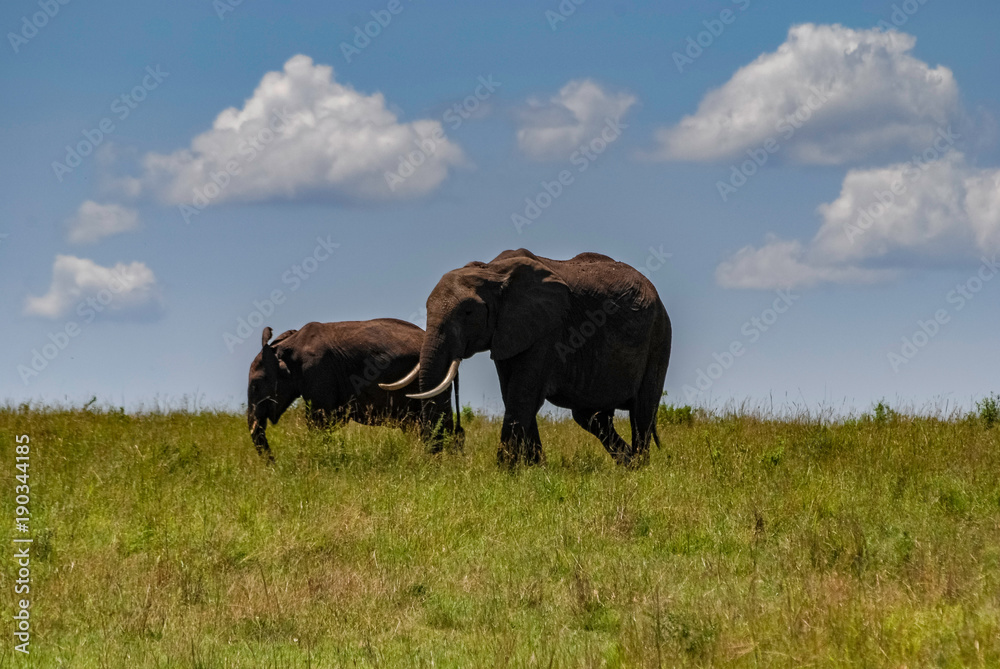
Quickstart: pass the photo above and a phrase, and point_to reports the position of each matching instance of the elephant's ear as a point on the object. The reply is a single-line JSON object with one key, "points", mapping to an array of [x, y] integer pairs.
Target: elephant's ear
{"points": [[533, 302], [268, 356], [273, 356]]}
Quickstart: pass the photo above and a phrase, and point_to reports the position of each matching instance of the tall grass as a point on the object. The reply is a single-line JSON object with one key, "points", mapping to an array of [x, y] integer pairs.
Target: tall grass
{"points": [[162, 540]]}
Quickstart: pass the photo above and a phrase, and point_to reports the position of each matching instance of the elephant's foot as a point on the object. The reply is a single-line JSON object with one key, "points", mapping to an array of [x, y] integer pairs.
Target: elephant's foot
{"points": [[435, 444], [621, 458], [511, 438], [507, 456], [534, 455], [637, 460], [458, 440], [510, 455]]}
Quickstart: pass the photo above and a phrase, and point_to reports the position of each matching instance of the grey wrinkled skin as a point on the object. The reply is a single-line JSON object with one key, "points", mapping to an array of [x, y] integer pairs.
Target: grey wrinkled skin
{"points": [[532, 314], [336, 368]]}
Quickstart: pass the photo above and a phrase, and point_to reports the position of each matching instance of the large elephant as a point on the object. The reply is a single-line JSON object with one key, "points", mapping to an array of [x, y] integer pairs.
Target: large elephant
{"points": [[336, 367], [588, 334]]}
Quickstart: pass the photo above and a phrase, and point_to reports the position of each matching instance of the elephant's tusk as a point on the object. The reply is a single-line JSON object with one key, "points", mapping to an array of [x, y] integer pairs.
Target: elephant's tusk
{"points": [[448, 378], [403, 382]]}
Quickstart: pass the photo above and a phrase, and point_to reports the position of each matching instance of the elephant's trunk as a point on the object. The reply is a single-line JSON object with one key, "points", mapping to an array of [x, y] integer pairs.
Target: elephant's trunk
{"points": [[438, 367], [257, 422]]}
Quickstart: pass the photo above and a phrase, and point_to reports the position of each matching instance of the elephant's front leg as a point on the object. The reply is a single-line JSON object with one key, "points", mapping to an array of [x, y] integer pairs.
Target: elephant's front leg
{"points": [[533, 454], [519, 440], [521, 387]]}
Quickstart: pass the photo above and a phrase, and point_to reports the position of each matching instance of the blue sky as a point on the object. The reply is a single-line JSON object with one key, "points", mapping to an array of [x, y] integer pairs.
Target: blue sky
{"points": [[883, 97]]}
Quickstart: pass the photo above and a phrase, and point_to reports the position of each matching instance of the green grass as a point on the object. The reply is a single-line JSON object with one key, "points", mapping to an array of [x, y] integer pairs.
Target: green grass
{"points": [[163, 541]]}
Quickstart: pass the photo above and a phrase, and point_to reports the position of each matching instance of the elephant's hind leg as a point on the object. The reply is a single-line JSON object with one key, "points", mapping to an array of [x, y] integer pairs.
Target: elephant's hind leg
{"points": [[643, 420], [643, 414], [601, 424]]}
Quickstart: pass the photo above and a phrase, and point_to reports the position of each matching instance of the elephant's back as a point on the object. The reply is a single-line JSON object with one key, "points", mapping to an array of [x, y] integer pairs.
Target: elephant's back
{"points": [[597, 275], [389, 336], [345, 361], [596, 278], [392, 335]]}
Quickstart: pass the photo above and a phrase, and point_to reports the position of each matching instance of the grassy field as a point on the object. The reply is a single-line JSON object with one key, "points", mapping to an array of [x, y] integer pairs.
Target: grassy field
{"points": [[163, 541]]}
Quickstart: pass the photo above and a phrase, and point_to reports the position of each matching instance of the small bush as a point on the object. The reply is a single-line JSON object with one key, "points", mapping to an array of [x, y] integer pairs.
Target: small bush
{"points": [[773, 457], [671, 415], [989, 410], [882, 414]]}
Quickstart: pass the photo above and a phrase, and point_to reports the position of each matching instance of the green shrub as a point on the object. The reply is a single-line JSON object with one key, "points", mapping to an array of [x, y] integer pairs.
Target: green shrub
{"points": [[989, 410], [882, 414], [671, 415]]}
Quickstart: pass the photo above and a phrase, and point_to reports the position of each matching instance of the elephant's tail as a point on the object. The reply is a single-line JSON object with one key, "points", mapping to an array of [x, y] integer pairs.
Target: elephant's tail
{"points": [[656, 437]]}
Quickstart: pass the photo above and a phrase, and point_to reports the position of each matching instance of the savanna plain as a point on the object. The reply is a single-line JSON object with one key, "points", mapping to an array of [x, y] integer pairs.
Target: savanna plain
{"points": [[162, 540]]}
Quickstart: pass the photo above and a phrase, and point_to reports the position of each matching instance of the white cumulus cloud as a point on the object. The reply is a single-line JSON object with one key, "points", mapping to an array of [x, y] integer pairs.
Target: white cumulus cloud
{"points": [[885, 220], [829, 95], [302, 133], [94, 221], [123, 291], [783, 264], [552, 129]]}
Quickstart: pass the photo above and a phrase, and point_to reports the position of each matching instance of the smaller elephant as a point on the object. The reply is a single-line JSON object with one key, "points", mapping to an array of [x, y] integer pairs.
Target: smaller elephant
{"points": [[336, 368]]}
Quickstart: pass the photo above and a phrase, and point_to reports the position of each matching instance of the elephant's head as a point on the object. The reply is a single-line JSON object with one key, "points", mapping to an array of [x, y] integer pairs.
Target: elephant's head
{"points": [[503, 306], [270, 390]]}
